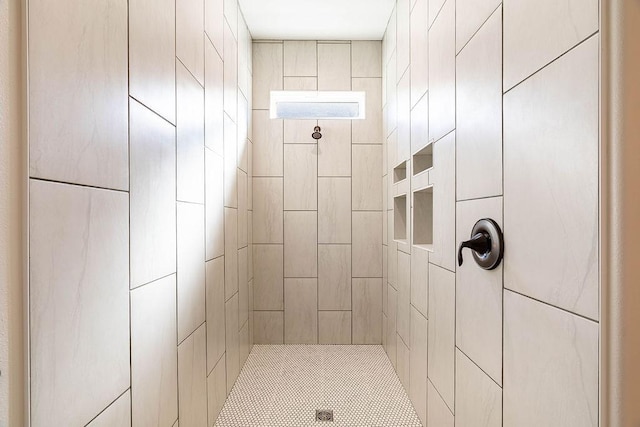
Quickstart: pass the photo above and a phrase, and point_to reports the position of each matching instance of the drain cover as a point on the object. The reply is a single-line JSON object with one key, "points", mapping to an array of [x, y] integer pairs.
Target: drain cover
{"points": [[324, 415]]}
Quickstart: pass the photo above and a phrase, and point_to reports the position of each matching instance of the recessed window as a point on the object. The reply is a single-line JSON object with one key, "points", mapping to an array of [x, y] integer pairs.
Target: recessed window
{"points": [[346, 105]]}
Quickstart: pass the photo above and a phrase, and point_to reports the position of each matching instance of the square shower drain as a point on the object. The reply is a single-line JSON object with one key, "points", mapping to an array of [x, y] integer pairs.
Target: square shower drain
{"points": [[324, 415]]}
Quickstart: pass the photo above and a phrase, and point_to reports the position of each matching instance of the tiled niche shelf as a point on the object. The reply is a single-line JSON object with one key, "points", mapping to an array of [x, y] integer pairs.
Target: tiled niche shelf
{"points": [[423, 160], [423, 218], [400, 172], [400, 218]]}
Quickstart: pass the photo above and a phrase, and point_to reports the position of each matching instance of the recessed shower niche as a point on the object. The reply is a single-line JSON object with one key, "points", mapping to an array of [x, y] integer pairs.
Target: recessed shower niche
{"points": [[400, 218], [423, 159], [423, 218]]}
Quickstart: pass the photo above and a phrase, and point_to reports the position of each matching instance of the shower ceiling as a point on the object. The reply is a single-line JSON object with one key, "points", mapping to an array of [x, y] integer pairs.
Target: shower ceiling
{"points": [[317, 19]]}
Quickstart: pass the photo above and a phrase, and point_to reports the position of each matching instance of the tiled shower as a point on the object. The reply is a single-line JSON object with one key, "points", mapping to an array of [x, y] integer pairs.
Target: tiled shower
{"points": [[173, 224]]}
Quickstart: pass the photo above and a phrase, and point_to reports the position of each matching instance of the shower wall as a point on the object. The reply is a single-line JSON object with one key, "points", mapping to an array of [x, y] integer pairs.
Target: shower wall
{"points": [[492, 110], [317, 206], [140, 251]]}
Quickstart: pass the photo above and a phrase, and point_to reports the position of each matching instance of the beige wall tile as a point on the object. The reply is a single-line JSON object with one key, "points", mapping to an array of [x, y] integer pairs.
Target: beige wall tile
{"points": [[404, 296], [435, 7], [477, 396], [214, 204], [334, 277], [334, 210], [470, 16], [479, 113], [299, 131], [420, 279], [191, 268], [190, 137], [267, 149], [479, 294], [213, 100], [367, 190], [367, 244], [366, 58], [230, 163], [243, 288], [404, 119], [192, 379], [418, 364], [214, 23], [215, 312], [367, 311], [151, 196], [392, 298], [334, 149], [300, 244], [444, 203], [267, 72], [268, 277], [243, 236], [89, 65], [117, 414], [548, 377], [403, 364], [438, 414], [391, 96], [403, 34], [368, 130], [216, 390], [189, 36], [242, 122], [334, 66], [420, 124], [231, 15], [300, 58], [557, 110], [230, 58], [300, 177], [152, 46], [441, 344], [268, 327], [442, 67], [538, 32], [268, 221], [300, 312], [231, 252], [232, 340], [334, 327], [390, 37], [154, 359], [419, 51]]}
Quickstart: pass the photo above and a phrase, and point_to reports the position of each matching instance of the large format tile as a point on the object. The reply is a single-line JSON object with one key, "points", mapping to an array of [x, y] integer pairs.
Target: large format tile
{"points": [[479, 113], [152, 45], [366, 58], [243, 127], [334, 149], [267, 145], [391, 96], [537, 32], [367, 244], [268, 262], [191, 268], [368, 130], [444, 203], [190, 137], [154, 363], [268, 327], [216, 390], [78, 103], [230, 163], [231, 15], [152, 196], [550, 365], [300, 58], [420, 124], [441, 347], [230, 252], [418, 364], [243, 287], [478, 398], [367, 190], [232, 341], [215, 312], [190, 36], [213, 100], [243, 213], [404, 297], [301, 311], [214, 204], [334, 210], [434, 9], [403, 147], [214, 22], [479, 294], [300, 177], [79, 301], [334, 327], [367, 311], [470, 16], [300, 131], [334, 66], [442, 73], [268, 221], [438, 414], [392, 303], [419, 51], [551, 183], [300, 244], [230, 59], [118, 414], [403, 36], [403, 363], [420, 279], [267, 72], [334, 277], [192, 379]]}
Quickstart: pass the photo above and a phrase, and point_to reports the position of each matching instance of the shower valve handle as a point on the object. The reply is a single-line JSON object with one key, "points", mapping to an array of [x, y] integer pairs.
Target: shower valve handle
{"points": [[479, 242], [486, 242]]}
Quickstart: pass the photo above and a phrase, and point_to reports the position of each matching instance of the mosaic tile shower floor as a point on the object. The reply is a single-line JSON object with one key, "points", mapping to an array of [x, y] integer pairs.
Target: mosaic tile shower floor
{"points": [[283, 385]]}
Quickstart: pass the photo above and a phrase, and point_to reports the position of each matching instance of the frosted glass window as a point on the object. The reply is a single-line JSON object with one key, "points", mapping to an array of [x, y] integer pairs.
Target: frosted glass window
{"points": [[317, 105]]}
